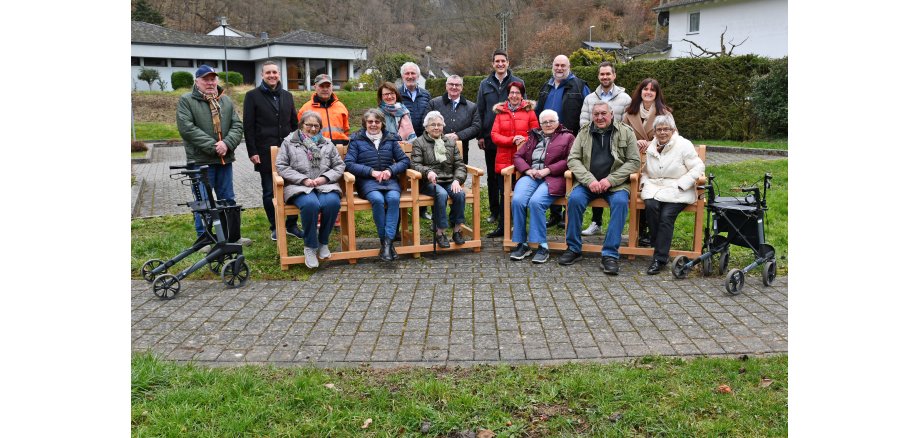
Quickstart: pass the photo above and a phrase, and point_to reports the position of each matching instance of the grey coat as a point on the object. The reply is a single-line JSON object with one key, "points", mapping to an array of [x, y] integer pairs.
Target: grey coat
{"points": [[424, 161], [294, 166]]}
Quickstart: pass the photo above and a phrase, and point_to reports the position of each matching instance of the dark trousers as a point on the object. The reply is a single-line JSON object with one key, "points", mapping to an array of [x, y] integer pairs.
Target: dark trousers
{"points": [[494, 180], [269, 207], [661, 217], [597, 216]]}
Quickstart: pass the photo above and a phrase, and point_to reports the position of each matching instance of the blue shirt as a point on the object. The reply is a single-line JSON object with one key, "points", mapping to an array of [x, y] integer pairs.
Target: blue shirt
{"points": [[412, 94]]}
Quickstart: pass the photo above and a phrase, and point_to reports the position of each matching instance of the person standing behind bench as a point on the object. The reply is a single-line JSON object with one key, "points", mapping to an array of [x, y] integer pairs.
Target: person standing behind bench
{"points": [[416, 100], [333, 112], [601, 160], [268, 115], [211, 130], [460, 115]]}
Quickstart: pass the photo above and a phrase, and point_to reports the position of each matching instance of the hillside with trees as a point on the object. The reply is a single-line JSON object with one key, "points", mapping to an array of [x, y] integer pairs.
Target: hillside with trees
{"points": [[462, 33]]}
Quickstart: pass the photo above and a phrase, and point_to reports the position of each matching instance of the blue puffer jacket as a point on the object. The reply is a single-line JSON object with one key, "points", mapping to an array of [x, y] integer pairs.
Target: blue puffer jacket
{"points": [[363, 158]]}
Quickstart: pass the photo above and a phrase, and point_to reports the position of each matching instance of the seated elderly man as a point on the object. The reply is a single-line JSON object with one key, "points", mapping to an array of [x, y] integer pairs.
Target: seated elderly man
{"points": [[542, 160], [603, 156], [441, 166]]}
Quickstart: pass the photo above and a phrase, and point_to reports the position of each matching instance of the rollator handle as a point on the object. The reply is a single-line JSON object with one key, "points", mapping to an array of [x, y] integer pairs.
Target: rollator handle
{"points": [[750, 189]]}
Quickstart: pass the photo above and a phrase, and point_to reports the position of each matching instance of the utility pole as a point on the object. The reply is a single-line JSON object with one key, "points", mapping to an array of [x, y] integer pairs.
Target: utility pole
{"points": [[504, 16]]}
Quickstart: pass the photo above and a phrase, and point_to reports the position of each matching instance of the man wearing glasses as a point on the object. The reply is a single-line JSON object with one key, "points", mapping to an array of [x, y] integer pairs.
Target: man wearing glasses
{"points": [[605, 153], [460, 121]]}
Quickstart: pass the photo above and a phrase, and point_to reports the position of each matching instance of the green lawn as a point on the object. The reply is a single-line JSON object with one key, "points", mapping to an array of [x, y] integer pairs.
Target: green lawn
{"points": [[156, 131], [139, 154], [780, 144], [652, 396]]}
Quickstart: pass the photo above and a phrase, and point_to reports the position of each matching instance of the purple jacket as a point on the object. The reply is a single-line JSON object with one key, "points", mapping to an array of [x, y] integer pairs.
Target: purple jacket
{"points": [[557, 152]]}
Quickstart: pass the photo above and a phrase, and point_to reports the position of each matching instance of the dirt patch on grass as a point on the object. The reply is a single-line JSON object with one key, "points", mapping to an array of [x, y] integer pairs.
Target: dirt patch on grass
{"points": [[155, 107]]}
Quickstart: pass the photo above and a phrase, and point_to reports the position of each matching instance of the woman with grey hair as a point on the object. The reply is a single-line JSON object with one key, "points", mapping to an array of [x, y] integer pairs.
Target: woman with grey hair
{"points": [[311, 168], [667, 185], [376, 159], [444, 173]]}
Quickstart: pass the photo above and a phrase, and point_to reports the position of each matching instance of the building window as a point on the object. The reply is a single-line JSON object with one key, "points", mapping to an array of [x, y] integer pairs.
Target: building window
{"points": [[155, 62], [339, 72], [694, 23], [210, 62], [135, 61], [181, 62]]}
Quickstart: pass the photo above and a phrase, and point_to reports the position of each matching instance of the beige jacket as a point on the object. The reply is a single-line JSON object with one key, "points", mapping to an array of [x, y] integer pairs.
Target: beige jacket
{"points": [[670, 176]]}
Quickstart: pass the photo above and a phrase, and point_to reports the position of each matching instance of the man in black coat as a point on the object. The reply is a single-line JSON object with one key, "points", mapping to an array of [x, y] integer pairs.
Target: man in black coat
{"points": [[268, 117], [461, 121]]}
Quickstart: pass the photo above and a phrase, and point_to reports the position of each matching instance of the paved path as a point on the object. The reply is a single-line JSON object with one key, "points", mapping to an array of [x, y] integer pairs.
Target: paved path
{"points": [[460, 308]]}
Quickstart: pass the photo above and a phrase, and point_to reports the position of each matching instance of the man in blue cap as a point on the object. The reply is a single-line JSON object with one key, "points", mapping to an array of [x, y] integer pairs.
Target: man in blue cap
{"points": [[211, 130]]}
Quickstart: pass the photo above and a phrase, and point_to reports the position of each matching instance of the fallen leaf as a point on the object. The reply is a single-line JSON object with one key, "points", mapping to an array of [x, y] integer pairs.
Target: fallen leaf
{"points": [[508, 423], [426, 425], [742, 370], [615, 417], [485, 433], [330, 385], [367, 423], [765, 382], [724, 389]]}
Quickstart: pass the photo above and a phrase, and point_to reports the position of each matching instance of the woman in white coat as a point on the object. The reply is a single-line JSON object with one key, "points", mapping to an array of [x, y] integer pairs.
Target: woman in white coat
{"points": [[667, 185]]}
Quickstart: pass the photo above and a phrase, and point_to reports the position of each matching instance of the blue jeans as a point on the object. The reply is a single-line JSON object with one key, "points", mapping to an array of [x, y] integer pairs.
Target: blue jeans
{"points": [[220, 176], [578, 202], [533, 194], [385, 208], [311, 205], [440, 193]]}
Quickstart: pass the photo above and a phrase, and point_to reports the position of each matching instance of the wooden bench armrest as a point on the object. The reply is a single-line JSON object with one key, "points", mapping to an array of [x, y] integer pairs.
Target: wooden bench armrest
{"points": [[508, 171], [348, 178], [474, 170], [413, 174]]}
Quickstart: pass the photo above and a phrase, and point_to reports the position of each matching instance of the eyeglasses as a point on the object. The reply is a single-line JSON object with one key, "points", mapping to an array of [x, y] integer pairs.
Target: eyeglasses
{"points": [[311, 125], [454, 85], [514, 92], [388, 94], [373, 122], [663, 130], [436, 125], [549, 122]]}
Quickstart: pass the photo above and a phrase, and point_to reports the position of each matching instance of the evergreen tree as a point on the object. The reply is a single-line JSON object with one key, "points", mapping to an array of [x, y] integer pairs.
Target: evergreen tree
{"points": [[144, 12]]}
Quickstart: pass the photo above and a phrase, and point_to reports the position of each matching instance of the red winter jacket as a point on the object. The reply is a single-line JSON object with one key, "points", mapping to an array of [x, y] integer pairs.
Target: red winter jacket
{"points": [[507, 125]]}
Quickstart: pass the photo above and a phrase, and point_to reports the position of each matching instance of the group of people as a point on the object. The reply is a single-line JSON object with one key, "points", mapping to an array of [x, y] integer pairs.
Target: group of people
{"points": [[597, 135]]}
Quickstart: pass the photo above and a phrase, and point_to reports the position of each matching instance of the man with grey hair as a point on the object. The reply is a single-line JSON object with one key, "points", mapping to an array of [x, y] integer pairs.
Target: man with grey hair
{"points": [[603, 156], [564, 93], [606, 91], [415, 100], [460, 120]]}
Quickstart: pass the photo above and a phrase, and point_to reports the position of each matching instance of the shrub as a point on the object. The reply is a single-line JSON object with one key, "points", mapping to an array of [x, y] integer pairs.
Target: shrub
{"points": [[162, 84], [387, 66], [149, 75], [231, 77], [584, 57], [138, 146], [770, 100], [182, 79]]}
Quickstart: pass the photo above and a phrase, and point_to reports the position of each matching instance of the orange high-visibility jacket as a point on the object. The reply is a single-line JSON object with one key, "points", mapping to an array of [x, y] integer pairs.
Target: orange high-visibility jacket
{"points": [[333, 113]]}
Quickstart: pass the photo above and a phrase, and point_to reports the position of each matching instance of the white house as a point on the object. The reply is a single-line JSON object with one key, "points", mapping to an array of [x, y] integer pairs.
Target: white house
{"points": [[300, 55], [759, 27]]}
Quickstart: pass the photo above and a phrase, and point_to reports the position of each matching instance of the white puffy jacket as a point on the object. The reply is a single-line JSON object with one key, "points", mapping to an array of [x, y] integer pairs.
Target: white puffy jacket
{"points": [[671, 175]]}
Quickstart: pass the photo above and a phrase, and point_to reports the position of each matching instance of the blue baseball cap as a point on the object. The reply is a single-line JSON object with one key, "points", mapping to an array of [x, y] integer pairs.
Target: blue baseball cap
{"points": [[205, 70]]}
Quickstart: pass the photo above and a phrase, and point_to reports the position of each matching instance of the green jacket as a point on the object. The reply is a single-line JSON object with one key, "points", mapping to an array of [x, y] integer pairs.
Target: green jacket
{"points": [[193, 118], [625, 156]]}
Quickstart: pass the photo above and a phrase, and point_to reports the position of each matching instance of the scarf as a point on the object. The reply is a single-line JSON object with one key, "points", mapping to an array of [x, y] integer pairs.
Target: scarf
{"points": [[440, 149], [374, 138], [644, 113], [312, 148], [514, 108], [214, 103], [396, 111]]}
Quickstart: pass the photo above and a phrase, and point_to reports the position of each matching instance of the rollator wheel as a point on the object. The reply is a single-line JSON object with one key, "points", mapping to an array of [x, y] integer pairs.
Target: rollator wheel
{"points": [[166, 286], [723, 262], [706, 266], [149, 266], [235, 273], [734, 281], [217, 264], [680, 269], [769, 273]]}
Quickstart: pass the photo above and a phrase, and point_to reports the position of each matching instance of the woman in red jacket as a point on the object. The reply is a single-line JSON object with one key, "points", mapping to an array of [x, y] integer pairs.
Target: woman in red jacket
{"points": [[513, 119]]}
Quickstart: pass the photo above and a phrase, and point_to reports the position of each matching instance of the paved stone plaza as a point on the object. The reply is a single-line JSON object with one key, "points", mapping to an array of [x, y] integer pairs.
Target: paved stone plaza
{"points": [[455, 308]]}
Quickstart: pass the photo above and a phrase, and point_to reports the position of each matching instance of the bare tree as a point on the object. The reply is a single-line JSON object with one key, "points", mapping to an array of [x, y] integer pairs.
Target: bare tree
{"points": [[710, 54]]}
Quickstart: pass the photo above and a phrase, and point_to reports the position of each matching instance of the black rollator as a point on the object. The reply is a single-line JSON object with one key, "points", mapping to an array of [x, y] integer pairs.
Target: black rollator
{"points": [[222, 225], [742, 219]]}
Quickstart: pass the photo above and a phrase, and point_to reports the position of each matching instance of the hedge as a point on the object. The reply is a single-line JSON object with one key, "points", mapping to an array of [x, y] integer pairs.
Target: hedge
{"points": [[711, 97], [182, 79]]}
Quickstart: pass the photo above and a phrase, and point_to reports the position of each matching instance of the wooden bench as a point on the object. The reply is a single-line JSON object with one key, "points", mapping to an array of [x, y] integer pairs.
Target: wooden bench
{"points": [[471, 234], [630, 247], [351, 204]]}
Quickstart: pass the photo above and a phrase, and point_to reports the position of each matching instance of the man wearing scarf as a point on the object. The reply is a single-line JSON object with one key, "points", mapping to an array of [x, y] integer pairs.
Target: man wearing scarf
{"points": [[268, 117], [211, 130]]}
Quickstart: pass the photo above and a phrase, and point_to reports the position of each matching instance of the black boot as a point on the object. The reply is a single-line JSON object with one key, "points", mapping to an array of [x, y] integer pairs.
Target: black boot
{"points": [[385, 253], [393, 254], [498, 232]]}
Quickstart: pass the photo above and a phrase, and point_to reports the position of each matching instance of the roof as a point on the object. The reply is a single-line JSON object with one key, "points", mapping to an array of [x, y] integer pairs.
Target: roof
{"points": [[675, 3], [603, 45], [146, 33], [654, 46]]}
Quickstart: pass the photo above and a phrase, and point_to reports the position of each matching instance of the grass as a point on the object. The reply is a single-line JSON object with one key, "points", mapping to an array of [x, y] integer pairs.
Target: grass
{"points": [[165, 237], [139, 154], [780, 144], [652, 396], [156, 131]]}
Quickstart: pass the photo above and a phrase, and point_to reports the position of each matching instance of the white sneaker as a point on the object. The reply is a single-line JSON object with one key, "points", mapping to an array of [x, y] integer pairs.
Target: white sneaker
{"points": [[591, 230], [324, 252], [310, 256]]}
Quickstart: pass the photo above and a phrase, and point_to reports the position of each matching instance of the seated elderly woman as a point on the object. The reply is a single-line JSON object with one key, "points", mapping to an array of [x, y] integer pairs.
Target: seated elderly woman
{"points": [[542, 160], [311, 168], [442, 167], [667, 185], [376, 159]]}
